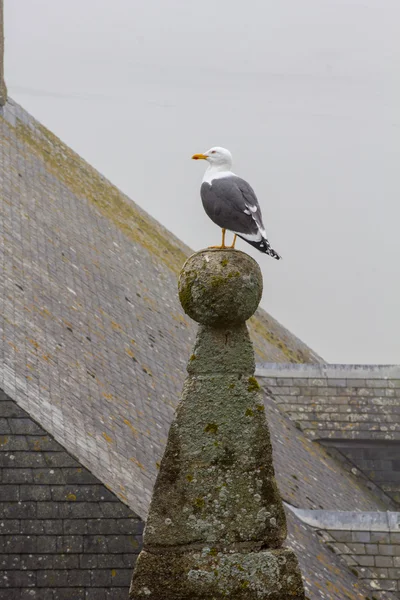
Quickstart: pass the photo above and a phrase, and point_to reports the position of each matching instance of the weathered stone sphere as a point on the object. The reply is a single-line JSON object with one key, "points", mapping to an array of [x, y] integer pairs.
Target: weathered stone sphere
{"points": [[220, 287]]}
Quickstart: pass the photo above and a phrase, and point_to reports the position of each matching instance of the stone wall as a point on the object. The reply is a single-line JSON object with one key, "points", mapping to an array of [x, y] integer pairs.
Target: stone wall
{"points": [[355, 409], [63, 534]]}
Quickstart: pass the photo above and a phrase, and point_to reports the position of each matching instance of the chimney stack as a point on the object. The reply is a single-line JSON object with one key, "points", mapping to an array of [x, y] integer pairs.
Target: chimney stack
{"points": [[3, 89]]}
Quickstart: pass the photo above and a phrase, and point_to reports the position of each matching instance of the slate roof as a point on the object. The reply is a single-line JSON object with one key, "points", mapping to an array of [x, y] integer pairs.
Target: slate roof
{"points": [[94, 342], [63, 535], [326, 576], [308, 477]]}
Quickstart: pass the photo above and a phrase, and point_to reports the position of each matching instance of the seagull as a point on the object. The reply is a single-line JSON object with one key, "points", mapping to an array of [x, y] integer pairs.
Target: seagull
{"points": [[231, 203]]}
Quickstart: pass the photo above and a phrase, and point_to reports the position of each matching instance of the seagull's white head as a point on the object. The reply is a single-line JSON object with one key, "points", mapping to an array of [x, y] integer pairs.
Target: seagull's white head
{"points": [[220, 157]]}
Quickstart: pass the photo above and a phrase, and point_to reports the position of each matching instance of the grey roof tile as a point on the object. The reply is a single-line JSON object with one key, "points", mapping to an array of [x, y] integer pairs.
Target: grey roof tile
{"points": [[44, 538]]}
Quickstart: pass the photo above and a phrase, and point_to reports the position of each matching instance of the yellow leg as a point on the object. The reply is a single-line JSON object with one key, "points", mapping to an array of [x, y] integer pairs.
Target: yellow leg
{"points": [[234, 241], [222, 246]]}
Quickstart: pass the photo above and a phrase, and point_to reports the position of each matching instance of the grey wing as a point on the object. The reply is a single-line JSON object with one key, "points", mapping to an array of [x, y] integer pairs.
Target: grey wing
{"points": [[251, 202], [232, 204]]}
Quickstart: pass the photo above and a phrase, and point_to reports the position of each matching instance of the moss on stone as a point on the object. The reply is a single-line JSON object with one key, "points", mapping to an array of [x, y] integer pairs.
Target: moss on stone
{"points": [[185, 290], [213, 296], [199, 503], [217, 280], [253, 384], [211, 428]]}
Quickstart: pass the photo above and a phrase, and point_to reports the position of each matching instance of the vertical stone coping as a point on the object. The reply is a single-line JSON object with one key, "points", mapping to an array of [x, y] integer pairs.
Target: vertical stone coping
{"points": [[216, 524], [3, 89], [349, 520], [326, 371]]}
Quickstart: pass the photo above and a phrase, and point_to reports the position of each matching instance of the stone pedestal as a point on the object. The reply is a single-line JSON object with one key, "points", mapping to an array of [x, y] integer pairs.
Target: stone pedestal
{"points": [[216, 523]]}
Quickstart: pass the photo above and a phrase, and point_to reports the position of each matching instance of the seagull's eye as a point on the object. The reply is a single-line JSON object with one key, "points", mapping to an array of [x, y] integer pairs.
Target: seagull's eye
{"points": [[212, 151]]}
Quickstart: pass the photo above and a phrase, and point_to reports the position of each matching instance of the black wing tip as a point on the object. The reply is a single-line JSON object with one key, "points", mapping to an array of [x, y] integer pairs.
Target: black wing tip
{"points": [[273, 254], [264, 247]]}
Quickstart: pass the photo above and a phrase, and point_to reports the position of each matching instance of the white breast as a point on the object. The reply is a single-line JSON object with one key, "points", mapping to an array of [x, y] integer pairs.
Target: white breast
{"points": [[211, 174]]}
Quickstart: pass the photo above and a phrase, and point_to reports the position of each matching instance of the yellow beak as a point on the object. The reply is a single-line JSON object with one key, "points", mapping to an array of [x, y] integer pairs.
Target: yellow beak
{"points": [[199, 157]]}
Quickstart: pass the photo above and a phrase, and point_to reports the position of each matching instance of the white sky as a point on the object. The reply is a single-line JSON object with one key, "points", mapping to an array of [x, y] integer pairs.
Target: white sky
{"points": [[306, 95]]}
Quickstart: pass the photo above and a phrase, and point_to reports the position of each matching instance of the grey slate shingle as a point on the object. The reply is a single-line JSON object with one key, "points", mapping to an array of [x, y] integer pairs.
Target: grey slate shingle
{"points": [[58, 539]]}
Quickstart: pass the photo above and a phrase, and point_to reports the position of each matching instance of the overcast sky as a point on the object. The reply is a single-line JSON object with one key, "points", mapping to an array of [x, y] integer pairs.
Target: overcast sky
{"points": [[306, 95]]}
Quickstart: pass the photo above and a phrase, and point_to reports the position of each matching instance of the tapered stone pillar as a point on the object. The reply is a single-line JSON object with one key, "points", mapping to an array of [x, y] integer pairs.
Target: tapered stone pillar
{"points": [[216, 523]]}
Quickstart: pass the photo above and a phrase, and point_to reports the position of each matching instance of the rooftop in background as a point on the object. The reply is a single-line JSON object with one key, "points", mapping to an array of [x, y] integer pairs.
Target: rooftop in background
{"points": [[94, 339], [95, 344]]}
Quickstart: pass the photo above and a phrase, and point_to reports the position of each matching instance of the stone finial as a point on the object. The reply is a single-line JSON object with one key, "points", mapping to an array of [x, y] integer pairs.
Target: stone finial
{"points": [[216, 290], [216, 523], [3, 89]]}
